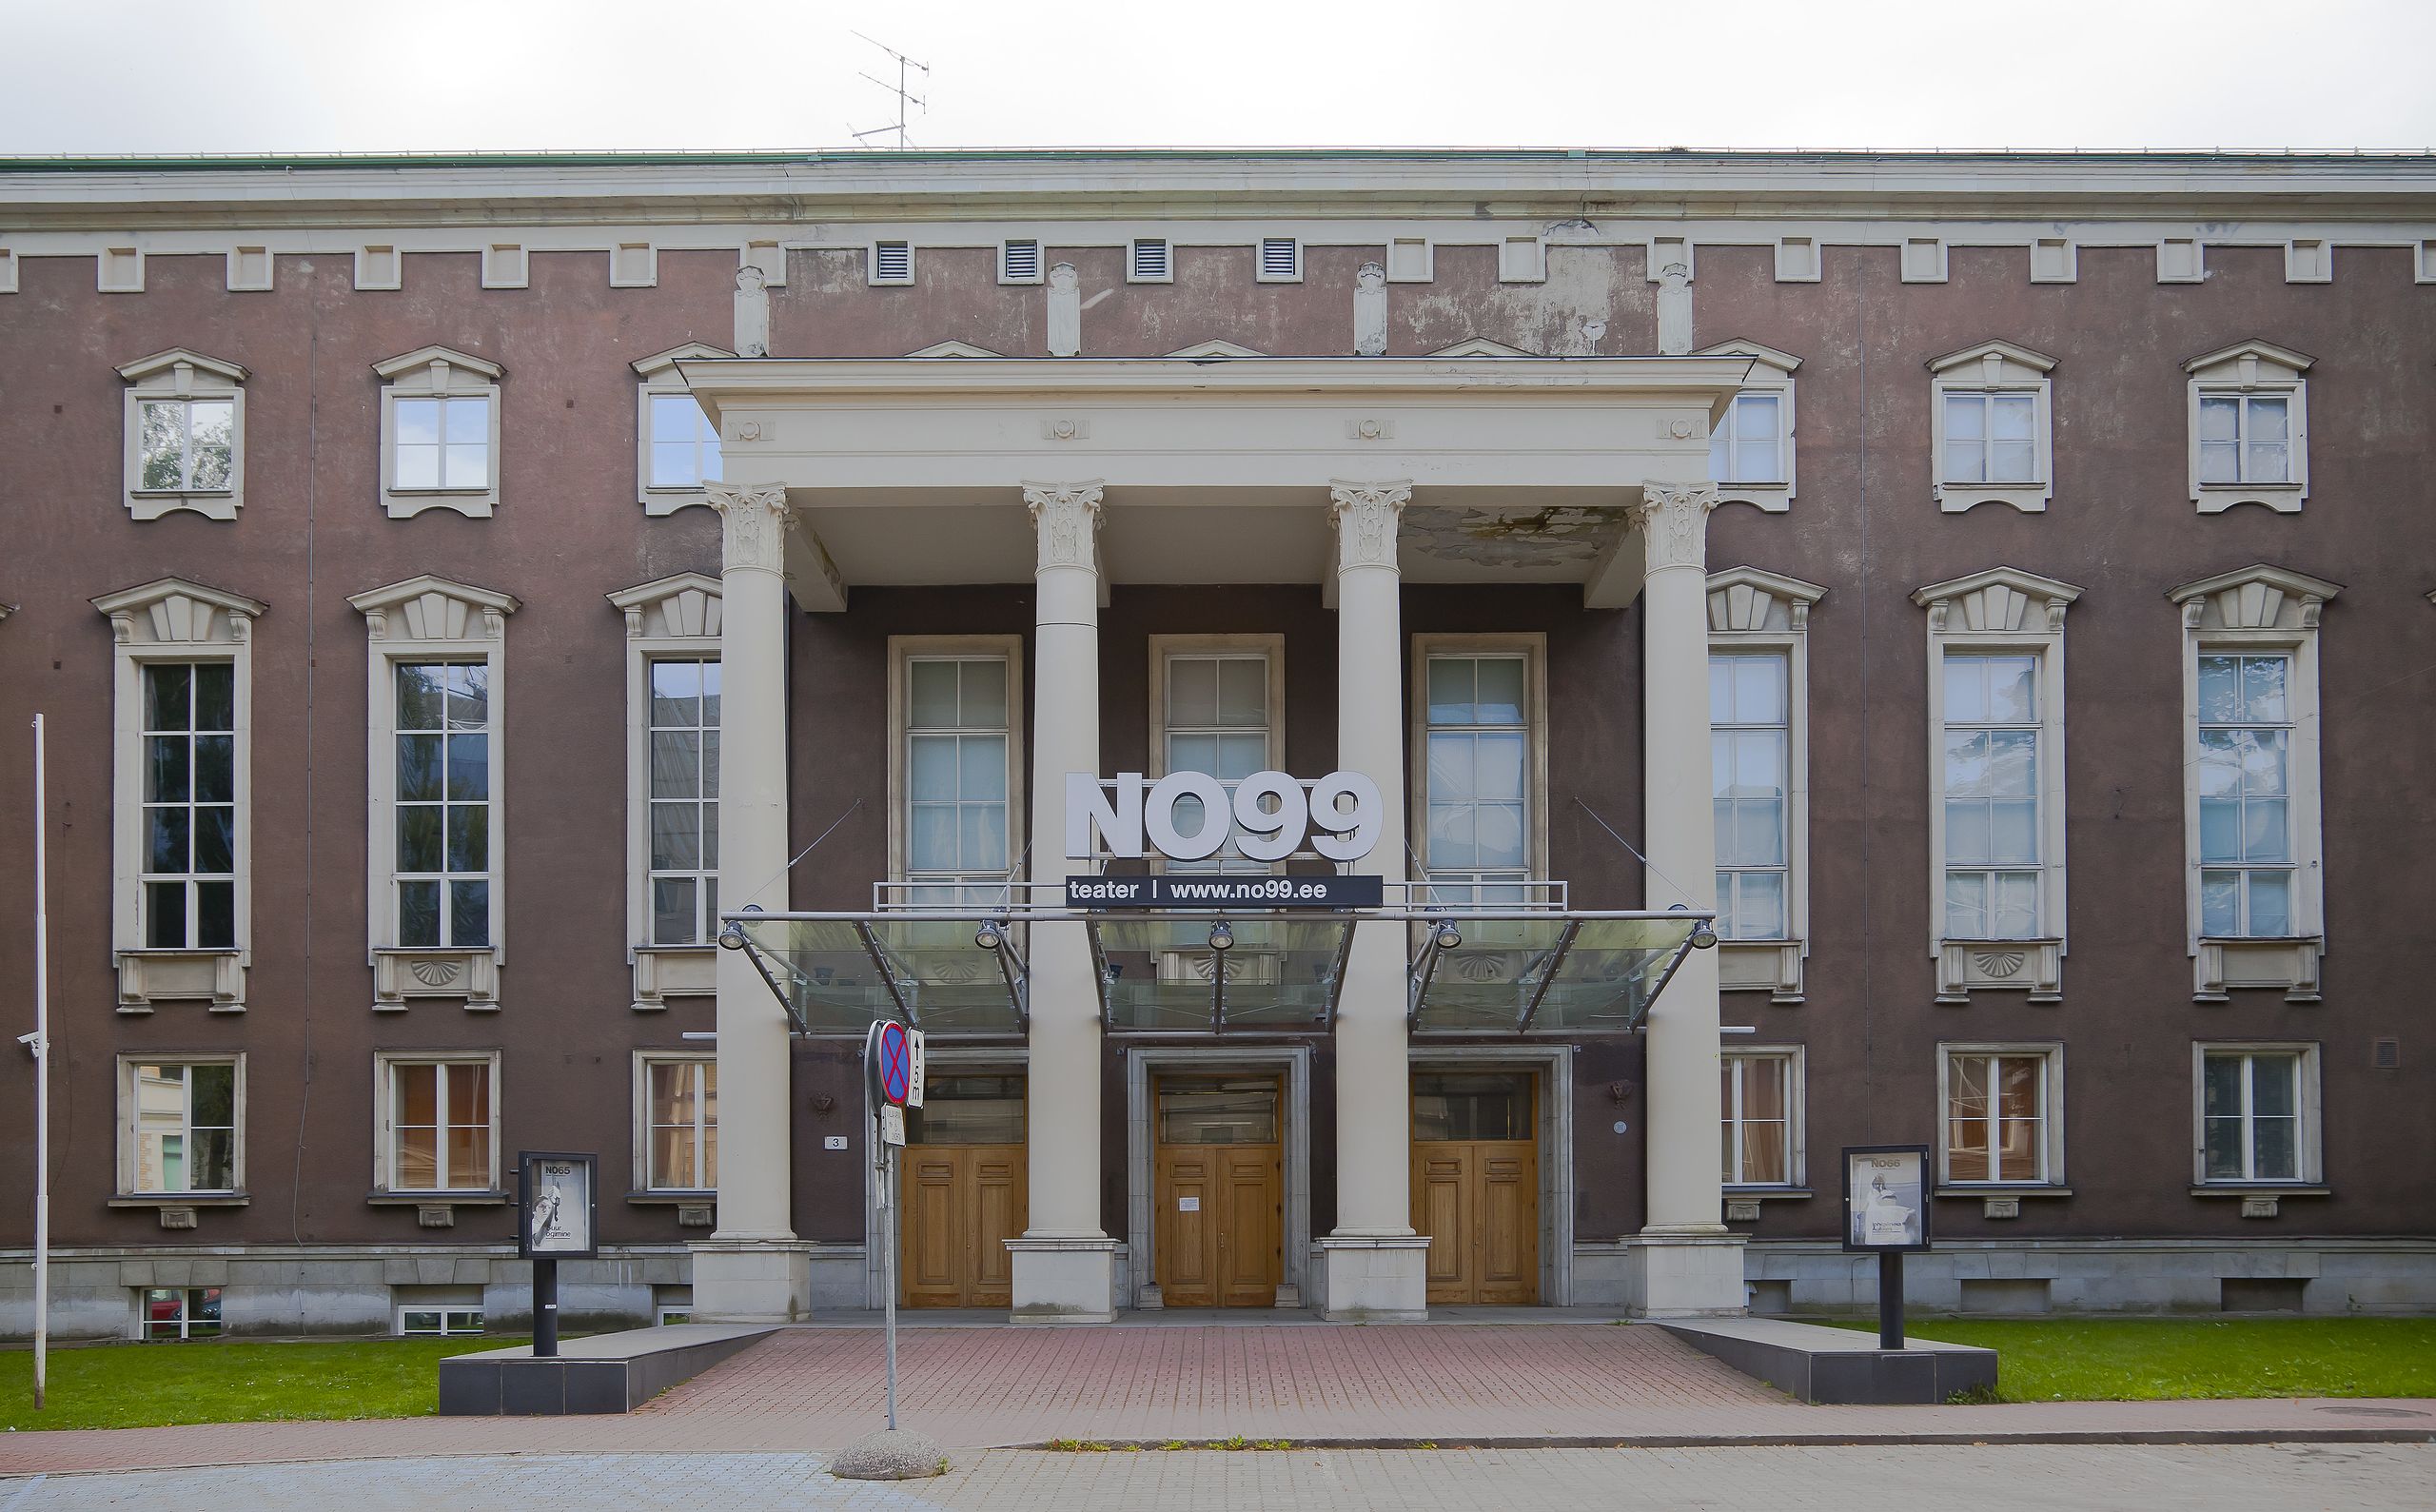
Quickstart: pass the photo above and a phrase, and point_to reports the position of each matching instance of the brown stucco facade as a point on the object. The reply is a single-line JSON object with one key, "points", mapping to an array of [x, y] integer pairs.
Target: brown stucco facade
{"points": [[2123, 1228]]}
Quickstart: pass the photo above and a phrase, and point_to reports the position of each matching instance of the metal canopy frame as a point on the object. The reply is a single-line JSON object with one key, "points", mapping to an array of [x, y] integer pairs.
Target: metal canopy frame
{"points": [[1162, 1001]]}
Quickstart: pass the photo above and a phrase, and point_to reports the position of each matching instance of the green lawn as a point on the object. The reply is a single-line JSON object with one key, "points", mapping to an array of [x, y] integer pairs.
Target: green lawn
{"points": [[134, 1386], [2148, 1359]]}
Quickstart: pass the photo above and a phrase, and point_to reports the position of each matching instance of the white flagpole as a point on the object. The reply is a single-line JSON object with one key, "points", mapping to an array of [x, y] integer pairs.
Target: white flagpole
{"points": [[42, 1077]]}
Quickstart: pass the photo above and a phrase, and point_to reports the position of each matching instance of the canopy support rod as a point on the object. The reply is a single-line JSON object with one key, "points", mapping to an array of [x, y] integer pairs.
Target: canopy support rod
{"points": [[1673, 965], [1102, 973], [1424, 967], [1336, 977], [887, 976], [1218, 991], [1556, 964], [1018, 977], [786, 1004]]}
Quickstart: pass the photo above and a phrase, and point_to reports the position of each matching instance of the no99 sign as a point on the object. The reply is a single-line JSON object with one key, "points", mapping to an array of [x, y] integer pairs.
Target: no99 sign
{"points": [[1339, 816]]}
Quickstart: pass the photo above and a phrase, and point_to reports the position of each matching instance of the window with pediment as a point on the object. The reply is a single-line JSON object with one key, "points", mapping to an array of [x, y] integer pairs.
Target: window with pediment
{"points": [[184, 435], [1993, 427]]}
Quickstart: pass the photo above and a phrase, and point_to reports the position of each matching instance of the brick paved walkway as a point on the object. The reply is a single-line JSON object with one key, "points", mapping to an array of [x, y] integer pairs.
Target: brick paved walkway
{"points": [[814, 1389], [1840, 1479]]}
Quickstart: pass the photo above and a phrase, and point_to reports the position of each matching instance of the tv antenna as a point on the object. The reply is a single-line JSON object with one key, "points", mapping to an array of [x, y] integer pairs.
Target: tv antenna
{"points": [[907, 102]]}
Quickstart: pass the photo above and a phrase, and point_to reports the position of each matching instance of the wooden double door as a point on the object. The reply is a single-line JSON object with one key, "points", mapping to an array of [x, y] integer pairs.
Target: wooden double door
{"points": [[963, 1191], [1476, 1185], [1218, 1188]]}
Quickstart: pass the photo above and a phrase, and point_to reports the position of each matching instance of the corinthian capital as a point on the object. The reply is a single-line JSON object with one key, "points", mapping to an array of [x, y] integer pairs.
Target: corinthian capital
{"points": [[1674, 523], [1064, 516], [757, 516], [1365, 516]]}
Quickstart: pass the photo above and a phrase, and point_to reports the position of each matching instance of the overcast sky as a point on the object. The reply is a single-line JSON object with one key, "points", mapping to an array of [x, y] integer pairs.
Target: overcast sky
{"points": [[83, 76]]}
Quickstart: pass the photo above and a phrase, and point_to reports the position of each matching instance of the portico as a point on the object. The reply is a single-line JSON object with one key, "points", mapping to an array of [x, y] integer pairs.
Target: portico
{"points": [[1360, 475]]}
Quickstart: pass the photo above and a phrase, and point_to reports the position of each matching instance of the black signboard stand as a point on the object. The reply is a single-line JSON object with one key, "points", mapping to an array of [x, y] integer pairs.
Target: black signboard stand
{"points": [[1886, 1213], [557, 1202]]}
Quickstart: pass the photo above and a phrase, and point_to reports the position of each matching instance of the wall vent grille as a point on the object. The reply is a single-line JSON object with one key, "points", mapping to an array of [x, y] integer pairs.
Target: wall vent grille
{"points": [[1281, 257], [1019, 262], [892, 262], [1149, 263]]}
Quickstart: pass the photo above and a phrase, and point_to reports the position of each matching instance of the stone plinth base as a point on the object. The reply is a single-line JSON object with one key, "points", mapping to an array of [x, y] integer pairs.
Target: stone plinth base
{"points": [[752, 1281], [1817, 1365], [1064, 1280], [1376, 1278], [1676, 1275], [610, 1372]]}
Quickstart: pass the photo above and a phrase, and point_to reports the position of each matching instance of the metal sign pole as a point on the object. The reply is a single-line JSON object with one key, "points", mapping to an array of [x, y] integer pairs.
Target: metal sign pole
{"points": [[545, 1308], [1890, 1298], [41, 1040], [888, 1239]]}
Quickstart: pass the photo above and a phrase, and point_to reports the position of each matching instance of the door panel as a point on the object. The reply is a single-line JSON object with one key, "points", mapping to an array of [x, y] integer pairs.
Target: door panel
{"points": [[999, 1211], [1477, 1197], [929, 1252], [1218, 1192], [963, 1179]]}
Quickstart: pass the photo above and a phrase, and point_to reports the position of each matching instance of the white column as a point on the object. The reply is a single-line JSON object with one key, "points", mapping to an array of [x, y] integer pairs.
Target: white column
{"points": [[1376, 1266], [1688, 1261], [1065, 1265], [752, 1268]]}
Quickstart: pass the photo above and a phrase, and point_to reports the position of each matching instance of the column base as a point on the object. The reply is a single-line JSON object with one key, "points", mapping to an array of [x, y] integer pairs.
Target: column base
{"points": [[1690, 1272], [1064, 1280], [752, 1280], [1375, 1278]]}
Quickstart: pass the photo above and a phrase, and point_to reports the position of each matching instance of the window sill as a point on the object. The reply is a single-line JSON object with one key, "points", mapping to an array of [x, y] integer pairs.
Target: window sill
{"points": [[662, 971], [2285, 498], [1973, 1191], [1761, 966], [2031, 499], [182, 493], [2264, 1189], [2278, 963], [666, 1197], [1775, 498], [436, 1199], [403, 972], [661, 502], [2035, 965], [182, 1199], [148, 976]]}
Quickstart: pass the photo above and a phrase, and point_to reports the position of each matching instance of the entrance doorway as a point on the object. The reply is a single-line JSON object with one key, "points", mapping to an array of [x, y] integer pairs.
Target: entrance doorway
{"points": [[963, 1190], [1476, 1185], [1218, 1189]]}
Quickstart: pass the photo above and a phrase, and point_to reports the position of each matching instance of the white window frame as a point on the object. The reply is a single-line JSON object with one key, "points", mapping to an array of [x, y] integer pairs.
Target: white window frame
{"points": [[384, 1131], [644, 1061], [1795, 1059], [1268, 649], [1994, 367], [430, 619], [2003, 611], [2252, 369], [903, 651], [1532, 647], [2309, 1144], [661, 378], [1752, 610], [2270, 610], [186, 1295], [436, 372], [171, 621], [449, 1314], [180, 375], [131, 1133], [670, 618], [2051, 1116], [1771, 375]]}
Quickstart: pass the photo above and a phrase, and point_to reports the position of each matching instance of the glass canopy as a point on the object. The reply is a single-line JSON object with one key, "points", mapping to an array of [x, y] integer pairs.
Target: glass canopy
{"points": [[1547, 971], [1560, 973], [836, 974]]}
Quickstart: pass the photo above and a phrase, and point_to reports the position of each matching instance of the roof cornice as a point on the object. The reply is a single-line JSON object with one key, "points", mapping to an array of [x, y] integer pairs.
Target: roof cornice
{"points": [[782, 189]]}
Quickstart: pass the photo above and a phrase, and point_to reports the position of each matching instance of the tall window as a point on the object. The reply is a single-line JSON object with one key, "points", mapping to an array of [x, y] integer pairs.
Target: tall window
{"points": [[1750, 742], [957, 775], [443, 803], [1996, 1117], [1478, 753], [1992, 796], [685, 445], [1748, 446], [441, 1115], [1755, 1097], [439, 432], [183, 1126], [186, 446], [2244, 439], [190, 711], [2251, 1115], [2245, 795], [684, 800], [681, 1097], [1991, 437], [1217, 721]]}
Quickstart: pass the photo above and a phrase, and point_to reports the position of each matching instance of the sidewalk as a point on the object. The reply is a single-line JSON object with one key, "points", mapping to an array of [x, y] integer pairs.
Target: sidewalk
{"points": [[1560, 1384]]}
